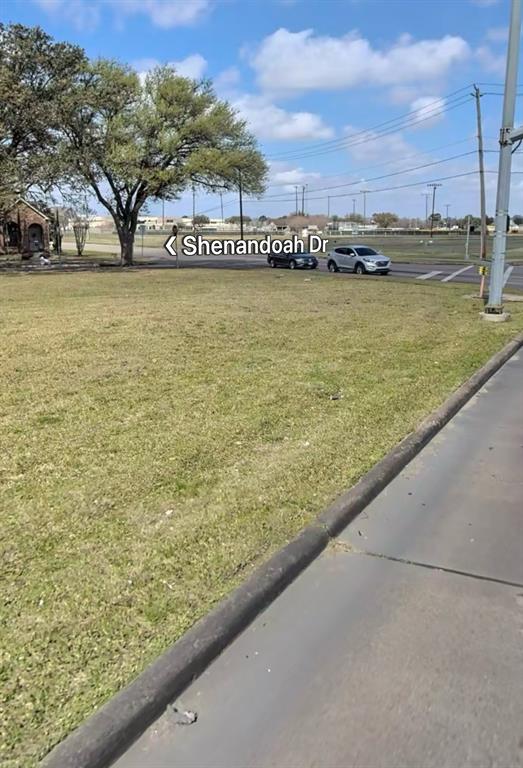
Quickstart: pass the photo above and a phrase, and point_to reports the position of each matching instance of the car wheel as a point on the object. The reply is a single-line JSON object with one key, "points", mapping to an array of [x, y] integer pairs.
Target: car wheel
{"points": [[272, 263], [292, 264], [332, 266], [359, 268], [386, 272]]}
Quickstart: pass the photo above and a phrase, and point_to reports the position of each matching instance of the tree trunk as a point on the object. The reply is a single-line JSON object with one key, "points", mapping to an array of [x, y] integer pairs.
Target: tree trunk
{"points": [[126, 246]]}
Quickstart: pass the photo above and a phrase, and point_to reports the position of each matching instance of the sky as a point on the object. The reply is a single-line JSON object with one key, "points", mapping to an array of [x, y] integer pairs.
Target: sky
{"points": [[342, 95]]}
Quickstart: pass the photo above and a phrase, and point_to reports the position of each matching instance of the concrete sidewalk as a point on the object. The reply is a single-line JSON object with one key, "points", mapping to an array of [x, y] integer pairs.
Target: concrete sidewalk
{"points": [[402, 645]]}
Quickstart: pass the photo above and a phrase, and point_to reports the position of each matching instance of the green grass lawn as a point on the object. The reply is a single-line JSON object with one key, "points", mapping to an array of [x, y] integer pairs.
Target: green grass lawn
{"points": [[164, 433]]}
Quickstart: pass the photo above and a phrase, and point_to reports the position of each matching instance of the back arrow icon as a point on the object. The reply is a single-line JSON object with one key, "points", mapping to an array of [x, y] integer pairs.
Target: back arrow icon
{"points": [[168, 245]]}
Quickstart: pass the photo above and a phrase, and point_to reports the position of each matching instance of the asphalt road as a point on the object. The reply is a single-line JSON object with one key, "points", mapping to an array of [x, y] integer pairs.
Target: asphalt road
{"points": [[402, 645], [431, 271]]}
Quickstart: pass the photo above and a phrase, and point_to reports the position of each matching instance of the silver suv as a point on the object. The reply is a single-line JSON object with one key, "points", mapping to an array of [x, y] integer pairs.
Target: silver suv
{"points": [[358, 258]]}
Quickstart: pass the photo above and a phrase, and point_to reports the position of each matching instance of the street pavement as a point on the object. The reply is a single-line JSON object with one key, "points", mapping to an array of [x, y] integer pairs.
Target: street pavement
{"points": [[402, 645], [428, 271]]}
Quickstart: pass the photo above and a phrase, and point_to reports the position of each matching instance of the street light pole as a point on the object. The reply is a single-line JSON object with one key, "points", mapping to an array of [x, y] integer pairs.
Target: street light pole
{"points": [[296, 191], [434, 187], [426, 195], [447, 206], [364, 193], [241, 201], [353, 206], [221, 204], [495, 303]]}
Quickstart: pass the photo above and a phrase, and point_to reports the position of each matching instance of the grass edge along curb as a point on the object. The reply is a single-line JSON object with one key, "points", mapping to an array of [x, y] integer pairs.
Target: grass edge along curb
{"points": [[121, 720]]}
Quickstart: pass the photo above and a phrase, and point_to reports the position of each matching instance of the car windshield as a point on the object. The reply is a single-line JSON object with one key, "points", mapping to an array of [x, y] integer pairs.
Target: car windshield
{"points": [[366, 252]]}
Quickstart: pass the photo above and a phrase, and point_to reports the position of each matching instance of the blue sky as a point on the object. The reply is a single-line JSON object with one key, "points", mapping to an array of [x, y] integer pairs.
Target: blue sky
{"points": [[310, 74]]}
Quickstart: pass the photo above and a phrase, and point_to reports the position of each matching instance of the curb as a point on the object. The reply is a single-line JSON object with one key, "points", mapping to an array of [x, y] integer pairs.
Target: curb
{"points": [[110, 730]]}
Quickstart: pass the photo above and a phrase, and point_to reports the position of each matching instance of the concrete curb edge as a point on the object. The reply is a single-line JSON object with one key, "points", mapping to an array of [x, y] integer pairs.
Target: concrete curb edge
{"points": [[113, 727]]}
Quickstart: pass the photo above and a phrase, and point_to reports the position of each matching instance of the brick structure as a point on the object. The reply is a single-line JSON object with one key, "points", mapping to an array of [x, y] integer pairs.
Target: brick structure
{"points": [[25, 230]]}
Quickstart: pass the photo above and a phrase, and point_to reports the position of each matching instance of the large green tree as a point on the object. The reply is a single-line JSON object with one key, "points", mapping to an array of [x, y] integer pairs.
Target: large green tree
{"points": [[36, 74], [385, 219], [134, 140]]}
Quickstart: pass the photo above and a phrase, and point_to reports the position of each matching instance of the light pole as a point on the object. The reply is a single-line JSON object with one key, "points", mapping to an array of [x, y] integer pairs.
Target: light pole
{"points": [[426, 195], [506, 138], [447, 206], [434, 187], [296, 191], [241, 201], [364, 193], [221, 204], [163, 214]]}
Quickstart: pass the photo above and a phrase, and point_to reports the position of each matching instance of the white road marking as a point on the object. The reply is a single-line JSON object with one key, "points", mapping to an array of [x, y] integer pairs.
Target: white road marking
{"points": [[429, 275], [507, 274], [455, 274]]}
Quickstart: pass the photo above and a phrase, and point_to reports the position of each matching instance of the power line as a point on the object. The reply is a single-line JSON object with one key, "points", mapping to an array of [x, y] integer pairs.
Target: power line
{"points": [[437, 103], [388, 175], [374, 136], [381, 189]]}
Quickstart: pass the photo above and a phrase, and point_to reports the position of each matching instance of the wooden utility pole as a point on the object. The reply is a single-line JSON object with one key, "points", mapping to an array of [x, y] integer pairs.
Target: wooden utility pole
{"points": [[483, 235]]}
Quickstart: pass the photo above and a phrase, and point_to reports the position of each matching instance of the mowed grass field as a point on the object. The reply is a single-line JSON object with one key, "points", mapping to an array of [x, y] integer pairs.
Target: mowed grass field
{"points": [[164, 433], [444, 247]]}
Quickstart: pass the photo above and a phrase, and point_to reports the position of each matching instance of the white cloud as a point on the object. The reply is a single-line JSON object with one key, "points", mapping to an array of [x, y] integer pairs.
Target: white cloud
{"points": [[227, 78], [193, 66], [268, 121], [490, 61], [368, 147], [301, 61], [427, 110], [81, 13], [284, 174], [402, 94], [165, 14]]}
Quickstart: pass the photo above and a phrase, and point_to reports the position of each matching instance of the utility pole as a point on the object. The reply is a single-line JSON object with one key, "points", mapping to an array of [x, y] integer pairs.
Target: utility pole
{"points": [[467, 241], [447, 206], [163, 214], [483, 237], [495, 303], [354, 206], [303, 200], [193, 208], [328, 206], [434, 187], [296, 191], [221, 204], [241, 201]]}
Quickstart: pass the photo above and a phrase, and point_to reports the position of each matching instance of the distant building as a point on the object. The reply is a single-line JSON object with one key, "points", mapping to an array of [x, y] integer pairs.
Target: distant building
{"points": [[24, 230]]}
